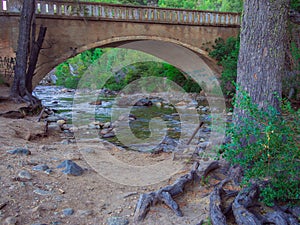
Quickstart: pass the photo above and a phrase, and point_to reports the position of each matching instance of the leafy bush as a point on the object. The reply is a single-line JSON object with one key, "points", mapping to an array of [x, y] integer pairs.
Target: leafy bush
{"points": [[226, 53], [266, 145]]}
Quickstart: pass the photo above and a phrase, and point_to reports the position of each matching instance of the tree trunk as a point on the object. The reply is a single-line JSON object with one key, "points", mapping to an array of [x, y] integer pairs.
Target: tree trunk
{"points": [[19, 85], [261, 63], [34, 53]]}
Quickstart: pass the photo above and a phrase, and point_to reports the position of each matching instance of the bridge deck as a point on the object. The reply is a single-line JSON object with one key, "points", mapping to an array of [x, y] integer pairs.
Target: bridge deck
{"points": [[102, 11]]}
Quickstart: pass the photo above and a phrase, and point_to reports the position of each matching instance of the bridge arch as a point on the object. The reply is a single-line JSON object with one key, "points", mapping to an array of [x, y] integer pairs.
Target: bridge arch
{"points": [[134, 43]]}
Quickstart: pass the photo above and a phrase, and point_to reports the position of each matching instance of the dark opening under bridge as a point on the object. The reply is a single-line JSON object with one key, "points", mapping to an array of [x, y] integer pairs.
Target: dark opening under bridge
{"points": [[76, 27]]}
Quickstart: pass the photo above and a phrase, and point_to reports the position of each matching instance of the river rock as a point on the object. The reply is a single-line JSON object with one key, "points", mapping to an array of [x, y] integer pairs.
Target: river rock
{"points": [[25, 175], [182, 103], [106, 131], [94, 126], [68, 211], [73, 129], [144, 102], [54, 127], [117, 221], [19, 151], [53, 119], [42, 192], [61, 122], [97, 102], [42, 167], [204, 144], [48, 171], [107, 125], [109, 135], [206, 130], [71, 168]]}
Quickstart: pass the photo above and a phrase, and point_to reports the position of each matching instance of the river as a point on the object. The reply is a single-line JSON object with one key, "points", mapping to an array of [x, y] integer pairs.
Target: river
{"points": [[60, 100]]}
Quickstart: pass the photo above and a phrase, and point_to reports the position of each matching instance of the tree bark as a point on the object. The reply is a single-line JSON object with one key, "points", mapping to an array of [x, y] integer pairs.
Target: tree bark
{"points": [[261, 63], [34, 53], [19, 84]]}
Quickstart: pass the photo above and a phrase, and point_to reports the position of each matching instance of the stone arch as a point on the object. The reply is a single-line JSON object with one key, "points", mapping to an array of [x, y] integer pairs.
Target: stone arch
{"points": [[126, 41]]}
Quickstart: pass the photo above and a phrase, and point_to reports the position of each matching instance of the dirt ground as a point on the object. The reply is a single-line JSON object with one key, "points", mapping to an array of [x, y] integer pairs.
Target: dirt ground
{"points": [[43, 198]]}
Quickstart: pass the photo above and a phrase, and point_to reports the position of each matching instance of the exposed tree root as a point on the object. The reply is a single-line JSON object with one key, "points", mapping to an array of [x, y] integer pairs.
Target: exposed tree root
{"points": [[246, 198], [167, 193], [240, 207]]}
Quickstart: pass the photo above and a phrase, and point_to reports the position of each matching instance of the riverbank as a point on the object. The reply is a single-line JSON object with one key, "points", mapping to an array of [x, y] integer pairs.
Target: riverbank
{"points": [[29, 196]]}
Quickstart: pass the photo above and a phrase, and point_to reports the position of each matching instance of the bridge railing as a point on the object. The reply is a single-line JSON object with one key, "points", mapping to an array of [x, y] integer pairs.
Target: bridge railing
{"points": [[126, 13]]}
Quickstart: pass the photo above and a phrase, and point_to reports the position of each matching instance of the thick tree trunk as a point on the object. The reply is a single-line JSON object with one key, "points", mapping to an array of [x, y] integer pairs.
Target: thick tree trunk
{"points": [[19, 85], [261, 64]]}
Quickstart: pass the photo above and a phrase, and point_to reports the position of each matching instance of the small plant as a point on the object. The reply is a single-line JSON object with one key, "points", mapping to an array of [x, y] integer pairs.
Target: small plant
{"points": [[266, 145]]}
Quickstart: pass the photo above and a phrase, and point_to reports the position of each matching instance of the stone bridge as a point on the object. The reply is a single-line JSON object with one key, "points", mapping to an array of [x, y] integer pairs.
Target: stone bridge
{"points": [[74, 27]]}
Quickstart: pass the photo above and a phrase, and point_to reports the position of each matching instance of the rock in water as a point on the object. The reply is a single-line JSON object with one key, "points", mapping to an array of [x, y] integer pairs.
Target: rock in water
{"points": [[19, 151], [71, 168]]}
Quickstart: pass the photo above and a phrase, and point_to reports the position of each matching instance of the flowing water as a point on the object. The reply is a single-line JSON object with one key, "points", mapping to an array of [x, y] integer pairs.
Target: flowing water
{"points": [[60, 100]]}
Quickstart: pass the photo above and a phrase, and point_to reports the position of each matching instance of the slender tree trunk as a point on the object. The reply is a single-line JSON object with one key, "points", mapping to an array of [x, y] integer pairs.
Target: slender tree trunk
{"points": [[261, 63], [34, 53], [19, 85]]}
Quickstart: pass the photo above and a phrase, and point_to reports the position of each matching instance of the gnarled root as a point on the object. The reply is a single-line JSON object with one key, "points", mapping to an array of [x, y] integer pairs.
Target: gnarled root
{"points": [[167, 193]]}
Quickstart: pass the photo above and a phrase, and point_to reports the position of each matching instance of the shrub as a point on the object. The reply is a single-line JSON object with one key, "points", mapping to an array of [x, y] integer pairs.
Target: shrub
{"points": [[265, 144]]}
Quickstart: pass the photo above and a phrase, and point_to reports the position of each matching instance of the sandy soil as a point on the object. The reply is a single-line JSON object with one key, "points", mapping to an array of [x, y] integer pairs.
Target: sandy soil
{"points": [[94, 198]]}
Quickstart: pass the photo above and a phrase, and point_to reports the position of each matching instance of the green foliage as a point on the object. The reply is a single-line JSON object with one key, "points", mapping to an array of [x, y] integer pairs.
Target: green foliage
{"points": [[295, 4], [265, 144], [192, 4], [296, 55], [215, 5], [226, 53], [71, 72]]}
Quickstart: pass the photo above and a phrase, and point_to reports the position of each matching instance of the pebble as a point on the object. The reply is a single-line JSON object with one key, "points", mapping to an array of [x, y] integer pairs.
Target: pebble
{"points": [[202, 140], [19, 151], [117, 221], [61, 122], [73, 129], [53, 118], [10, 221], [48, 171], [84, 213], [204, 144], [68, 211], [206, 130], [109, 135], [94, 126], [42, 192], [71, 168], [42, 167], [107, 125], [25, 175], [54, 127]]}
